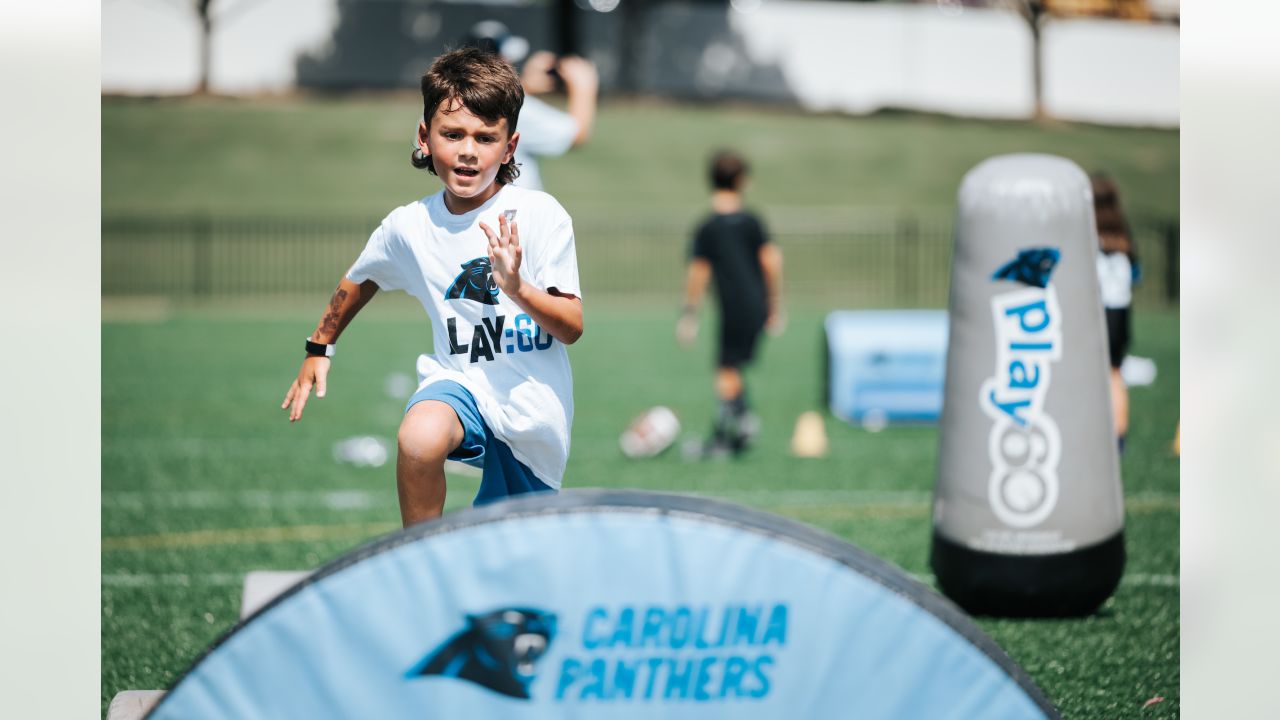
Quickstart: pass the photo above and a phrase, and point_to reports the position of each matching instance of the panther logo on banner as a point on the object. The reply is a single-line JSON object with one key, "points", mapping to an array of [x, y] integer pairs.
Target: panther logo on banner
{"points": [[496, 650]]}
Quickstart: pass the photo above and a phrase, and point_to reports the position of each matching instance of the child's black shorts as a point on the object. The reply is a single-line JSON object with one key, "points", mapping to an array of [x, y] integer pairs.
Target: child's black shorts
{"points": [[1117, 334], [738, 344]]}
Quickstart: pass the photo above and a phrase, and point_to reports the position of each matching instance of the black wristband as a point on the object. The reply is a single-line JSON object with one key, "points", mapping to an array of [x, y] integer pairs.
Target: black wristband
{"points": [[316, 349]]}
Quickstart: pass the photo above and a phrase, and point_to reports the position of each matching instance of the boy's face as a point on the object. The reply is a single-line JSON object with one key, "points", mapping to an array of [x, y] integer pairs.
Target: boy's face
{"points": [[467, 152]]}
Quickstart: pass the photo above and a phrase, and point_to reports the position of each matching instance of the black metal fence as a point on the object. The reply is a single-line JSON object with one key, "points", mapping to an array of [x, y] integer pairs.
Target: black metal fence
{"points": [[849, 258]]}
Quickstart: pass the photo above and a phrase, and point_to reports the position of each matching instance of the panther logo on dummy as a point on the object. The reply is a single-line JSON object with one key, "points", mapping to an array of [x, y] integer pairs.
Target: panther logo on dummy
{"points": [[496, 650], [475, 282], [1032, 266]]}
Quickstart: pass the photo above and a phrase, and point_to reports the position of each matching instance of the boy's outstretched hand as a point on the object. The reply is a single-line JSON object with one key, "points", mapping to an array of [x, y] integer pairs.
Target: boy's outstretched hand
{"points": [[776, 324], [505, 255], [687, 328], [314, 372], [536, 76]]}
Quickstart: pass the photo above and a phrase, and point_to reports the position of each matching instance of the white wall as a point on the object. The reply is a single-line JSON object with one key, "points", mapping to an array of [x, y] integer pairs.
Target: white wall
{"points": [[1114, 72], [860, 57], [151, 46], [148, 46], [835, 56]]}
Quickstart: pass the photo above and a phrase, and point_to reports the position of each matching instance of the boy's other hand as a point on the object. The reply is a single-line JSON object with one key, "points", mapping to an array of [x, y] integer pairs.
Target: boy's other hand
{"points": [[776, 323], [505, 255], [314, 373], [536, 76], [687, 329], [579, 73]]}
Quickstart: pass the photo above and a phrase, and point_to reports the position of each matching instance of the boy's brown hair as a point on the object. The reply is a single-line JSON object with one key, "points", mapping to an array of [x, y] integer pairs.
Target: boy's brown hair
{"points": [[481, 81], [727, 169]]}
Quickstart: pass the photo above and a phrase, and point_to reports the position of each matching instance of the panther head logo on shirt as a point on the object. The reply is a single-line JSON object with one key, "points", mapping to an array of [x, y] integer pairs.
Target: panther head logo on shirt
{"points": [[496, 650], [475, 282]]}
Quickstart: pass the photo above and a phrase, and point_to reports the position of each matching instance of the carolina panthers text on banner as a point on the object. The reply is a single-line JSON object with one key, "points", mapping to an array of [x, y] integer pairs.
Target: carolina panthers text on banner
{"points": [[679, 653], [1024, 444], [652, 606]]}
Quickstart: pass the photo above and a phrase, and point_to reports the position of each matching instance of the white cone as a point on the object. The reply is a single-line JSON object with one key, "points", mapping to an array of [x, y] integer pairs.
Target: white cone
{"points": [[810, 436]]}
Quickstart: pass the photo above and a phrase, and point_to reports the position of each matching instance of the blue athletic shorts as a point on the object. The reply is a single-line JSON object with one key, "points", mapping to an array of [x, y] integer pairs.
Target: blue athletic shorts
{"points": [[504, 476]]}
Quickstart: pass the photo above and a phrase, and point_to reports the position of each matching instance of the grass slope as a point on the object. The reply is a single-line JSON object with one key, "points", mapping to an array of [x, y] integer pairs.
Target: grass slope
{"points": [[351, 157]]}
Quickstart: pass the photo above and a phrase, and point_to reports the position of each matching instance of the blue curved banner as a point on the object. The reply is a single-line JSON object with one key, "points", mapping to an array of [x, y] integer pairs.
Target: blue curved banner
{"points": [[594, 604]]}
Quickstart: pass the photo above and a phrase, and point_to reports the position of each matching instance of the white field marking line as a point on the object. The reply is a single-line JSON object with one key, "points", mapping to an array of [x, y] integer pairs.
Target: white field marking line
{"points": [[1131, 579], [912, 501], [334, 499], [346, 499], [358, 499], [131, 580], [823, 497], [1151, 580], [246, 536], [191, 447], [880, 497], [136, 309]]}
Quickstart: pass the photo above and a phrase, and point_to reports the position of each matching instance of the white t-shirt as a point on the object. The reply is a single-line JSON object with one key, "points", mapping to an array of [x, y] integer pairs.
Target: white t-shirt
{"points": [[1115, 279], [544, 131], [518, 373]]}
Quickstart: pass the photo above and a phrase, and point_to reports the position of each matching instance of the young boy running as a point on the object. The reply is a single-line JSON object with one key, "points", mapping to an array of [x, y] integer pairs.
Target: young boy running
{"points": [[732, 246], [494, 266]]}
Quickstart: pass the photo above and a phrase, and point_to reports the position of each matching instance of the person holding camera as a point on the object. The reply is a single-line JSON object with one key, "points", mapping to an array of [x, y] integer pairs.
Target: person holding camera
{"points": [[546, 131]]}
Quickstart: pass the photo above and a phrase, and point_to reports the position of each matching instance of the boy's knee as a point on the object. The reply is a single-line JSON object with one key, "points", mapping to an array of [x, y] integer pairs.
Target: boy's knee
{"points": [[429, 432]]}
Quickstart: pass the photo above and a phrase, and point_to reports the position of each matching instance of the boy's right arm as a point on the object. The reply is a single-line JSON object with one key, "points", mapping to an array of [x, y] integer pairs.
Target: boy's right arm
{"points": [[771, 262], [582, 85], [695, 284], [343, 306]]}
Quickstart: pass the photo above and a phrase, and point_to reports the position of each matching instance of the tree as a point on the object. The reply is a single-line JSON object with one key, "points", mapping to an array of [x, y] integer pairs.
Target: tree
{"points": [[204, 14], [1033, 12], [206, 40]]}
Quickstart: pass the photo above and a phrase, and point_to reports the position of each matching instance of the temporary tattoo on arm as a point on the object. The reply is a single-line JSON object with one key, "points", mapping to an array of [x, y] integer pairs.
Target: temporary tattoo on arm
{"points": [[329, 325]]}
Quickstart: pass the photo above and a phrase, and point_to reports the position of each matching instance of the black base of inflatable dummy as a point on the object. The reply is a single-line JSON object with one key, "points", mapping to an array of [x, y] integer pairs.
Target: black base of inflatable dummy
{"points": [[1061, 585]]}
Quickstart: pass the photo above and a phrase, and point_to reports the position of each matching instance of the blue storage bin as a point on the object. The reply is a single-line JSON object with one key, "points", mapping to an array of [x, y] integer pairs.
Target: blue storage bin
{"points": [[886, 365]]}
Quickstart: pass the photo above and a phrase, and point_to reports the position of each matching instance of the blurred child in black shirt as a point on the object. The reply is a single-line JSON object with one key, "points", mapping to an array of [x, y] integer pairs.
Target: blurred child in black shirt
{"points": [[733, 247]]}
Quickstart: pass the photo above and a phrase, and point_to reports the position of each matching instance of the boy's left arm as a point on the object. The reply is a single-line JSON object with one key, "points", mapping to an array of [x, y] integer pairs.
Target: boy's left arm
{"points": [[771, 263], [695, 284], [558, 313]]}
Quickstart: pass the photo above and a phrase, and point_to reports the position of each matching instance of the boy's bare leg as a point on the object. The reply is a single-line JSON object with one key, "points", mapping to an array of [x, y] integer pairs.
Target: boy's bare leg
{"points": [[728, 383], [1119, 403], [429, 432], [730, 432]]}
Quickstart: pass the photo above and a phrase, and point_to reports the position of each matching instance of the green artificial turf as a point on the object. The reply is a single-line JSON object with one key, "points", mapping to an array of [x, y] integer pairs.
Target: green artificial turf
{"points": [[204, 479]]}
